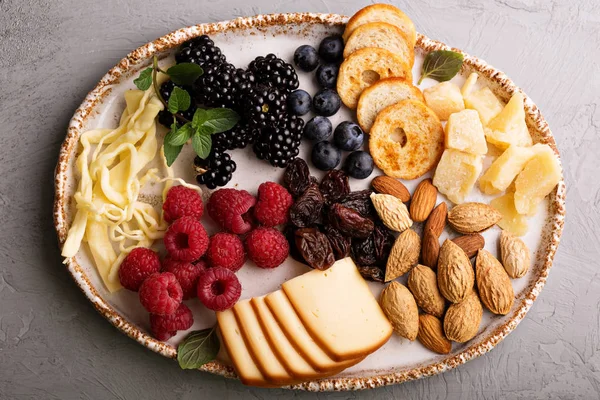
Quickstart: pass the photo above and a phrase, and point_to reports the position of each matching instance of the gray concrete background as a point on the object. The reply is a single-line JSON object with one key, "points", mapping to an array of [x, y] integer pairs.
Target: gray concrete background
{"points": [[53, 345]]}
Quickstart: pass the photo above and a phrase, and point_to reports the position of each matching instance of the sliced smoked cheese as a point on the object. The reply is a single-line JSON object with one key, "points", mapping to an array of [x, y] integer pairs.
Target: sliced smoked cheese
{"points": [[339, 311]]}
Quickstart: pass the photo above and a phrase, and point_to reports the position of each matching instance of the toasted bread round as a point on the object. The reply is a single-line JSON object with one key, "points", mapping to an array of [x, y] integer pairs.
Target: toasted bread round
{"points": [[382, 13], [407, 140], [382, 94], [382, 35], [365, 67]]}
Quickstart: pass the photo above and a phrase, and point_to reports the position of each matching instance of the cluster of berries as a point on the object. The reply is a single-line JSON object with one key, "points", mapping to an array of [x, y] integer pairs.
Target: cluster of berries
{"points": [[197, 265]]}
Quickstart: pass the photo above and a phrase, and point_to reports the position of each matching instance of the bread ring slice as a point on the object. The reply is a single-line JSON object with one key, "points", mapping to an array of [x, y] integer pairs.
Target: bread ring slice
{"points": [[382, 13], [407, 140], [382, 35], [383, 94], [365, 67]]}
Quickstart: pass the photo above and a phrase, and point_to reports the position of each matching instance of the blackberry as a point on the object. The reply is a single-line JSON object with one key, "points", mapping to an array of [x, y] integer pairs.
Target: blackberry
{"points": [[165, 118], [274, 72], [265, 107], [222, 85], [201, 51], [216, 170], [280, 144], [237, 138]]}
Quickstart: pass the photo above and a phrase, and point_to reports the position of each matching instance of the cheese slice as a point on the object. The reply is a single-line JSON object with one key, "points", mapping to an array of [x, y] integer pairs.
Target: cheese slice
{"points": [[260, 349], [282, 347], [297, 334], [339, 311], [234, 343]]}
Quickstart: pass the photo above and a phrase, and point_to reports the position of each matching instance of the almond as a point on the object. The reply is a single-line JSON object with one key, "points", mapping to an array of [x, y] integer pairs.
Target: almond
{"points": [[387, 185], [392, 212], [462, 320], [423, 201], [473, 217], [404, 255], [430, 249], [400, 307], [493, 283], [455, 273], [422, 282], [431, 334], [515, 255], [437, 219], [470, 244]]}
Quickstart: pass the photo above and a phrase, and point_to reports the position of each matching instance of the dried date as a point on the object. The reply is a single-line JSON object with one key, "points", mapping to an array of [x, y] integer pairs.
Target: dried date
{"points": [[375, 274], [307, 209], [340, 244], [314, 248], [335, 186], [297, 177], [363, 251], [383, 240], [360, 201], [290, 235], [350, 222]]}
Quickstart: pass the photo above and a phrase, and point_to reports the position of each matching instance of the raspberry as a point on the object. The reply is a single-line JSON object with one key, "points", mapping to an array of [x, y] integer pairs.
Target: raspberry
{"points": [[219, 289], [229, 208], [226, 251], [164, 336], [161, 293], [267, 247], [187, 275], [182, 202], [274, 202], [186, 239], [181, 320], [137, 266]]}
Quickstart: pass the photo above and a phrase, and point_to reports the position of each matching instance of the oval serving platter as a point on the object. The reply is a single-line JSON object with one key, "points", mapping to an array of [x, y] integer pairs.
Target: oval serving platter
{"points": [[241, 40]]}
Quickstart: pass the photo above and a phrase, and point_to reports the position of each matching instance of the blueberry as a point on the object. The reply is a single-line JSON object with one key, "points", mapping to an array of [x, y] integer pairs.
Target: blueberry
{"points": [[325, 156], [348, 136], [306, 58], [318, 128], [326, 102], [298, 102], [327, 75], [332, 48], [359, 164]]}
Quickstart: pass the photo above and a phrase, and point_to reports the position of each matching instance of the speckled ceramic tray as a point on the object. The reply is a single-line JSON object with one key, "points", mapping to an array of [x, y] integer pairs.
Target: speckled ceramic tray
{"points": [[242, 40]]}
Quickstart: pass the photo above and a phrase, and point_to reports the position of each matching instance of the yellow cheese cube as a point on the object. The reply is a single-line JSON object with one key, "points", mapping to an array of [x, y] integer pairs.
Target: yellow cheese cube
{"points": [[444, 99], [464, 132], [509, 127], [469, 84], [504, 169], [511, 220], [484, 101], [539, 177], [456, 174]]}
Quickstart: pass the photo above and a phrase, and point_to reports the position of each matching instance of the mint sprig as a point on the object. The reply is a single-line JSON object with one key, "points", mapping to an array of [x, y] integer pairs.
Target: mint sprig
{"points": [[198, 348], [441, 65], [205, 122]]}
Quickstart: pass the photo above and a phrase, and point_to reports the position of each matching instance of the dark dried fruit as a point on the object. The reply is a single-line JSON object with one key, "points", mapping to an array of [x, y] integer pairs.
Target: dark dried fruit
{"points": [[383, 240], [297, 177], [315, 248], [307, 209], [360, 201], [363, 251], [375, 274], [335, 186], [340, 244], [290, 235], [350, 222]]}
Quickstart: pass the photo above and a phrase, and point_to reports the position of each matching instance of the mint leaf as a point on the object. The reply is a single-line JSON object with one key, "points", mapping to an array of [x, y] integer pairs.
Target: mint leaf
{"points": [[185, 73], [181, 135], [220, 119], [171, 152], [441, 65], [201, 144], [198, 348], [179, 101], [200, 116], [144, 81]]}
